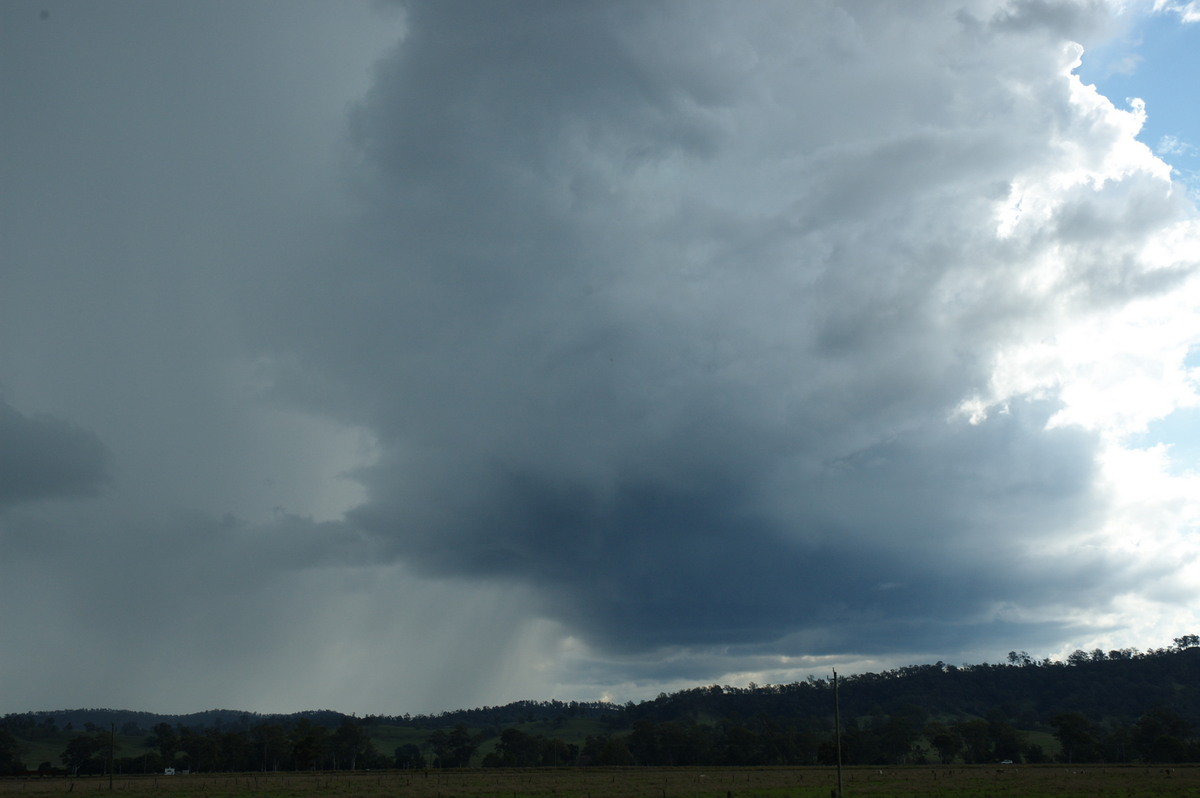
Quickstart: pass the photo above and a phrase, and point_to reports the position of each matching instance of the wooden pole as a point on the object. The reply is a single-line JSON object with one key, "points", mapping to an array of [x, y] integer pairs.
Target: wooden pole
{"points": [[837, 731]]}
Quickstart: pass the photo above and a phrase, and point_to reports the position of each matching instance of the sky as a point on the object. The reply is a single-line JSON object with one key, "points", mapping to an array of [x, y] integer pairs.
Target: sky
{"points": [[1151, 59], [404, 357]]}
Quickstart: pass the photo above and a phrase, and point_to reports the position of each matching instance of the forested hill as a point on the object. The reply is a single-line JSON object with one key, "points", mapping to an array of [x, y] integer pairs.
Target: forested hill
{"points": [[134, 722], [1118, 685], [1115, 706]]}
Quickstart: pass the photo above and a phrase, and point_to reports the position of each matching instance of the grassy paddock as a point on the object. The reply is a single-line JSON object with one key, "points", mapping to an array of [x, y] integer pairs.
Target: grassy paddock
{"points": [[899, 782]]}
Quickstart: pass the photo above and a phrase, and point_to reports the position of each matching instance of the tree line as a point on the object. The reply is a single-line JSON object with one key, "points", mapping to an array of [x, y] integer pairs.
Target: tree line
{"points": [[302, 744], [1097, 706]]}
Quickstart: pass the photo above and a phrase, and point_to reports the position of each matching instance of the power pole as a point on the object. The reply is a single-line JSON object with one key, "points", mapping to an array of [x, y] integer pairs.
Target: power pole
{"points": [[112, 750], [837, 731]]}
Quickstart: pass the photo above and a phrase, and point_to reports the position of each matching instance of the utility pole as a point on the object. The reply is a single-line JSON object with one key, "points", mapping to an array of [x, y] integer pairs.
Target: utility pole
{"points": [[837, 732], [112, 750]]}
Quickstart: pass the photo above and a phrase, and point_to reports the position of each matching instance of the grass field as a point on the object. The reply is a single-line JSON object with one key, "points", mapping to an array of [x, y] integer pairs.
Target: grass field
{"points": [[906, 782]]}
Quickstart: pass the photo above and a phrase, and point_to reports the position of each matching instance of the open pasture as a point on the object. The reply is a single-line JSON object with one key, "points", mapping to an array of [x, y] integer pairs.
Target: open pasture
{"points": [[808, 782]]}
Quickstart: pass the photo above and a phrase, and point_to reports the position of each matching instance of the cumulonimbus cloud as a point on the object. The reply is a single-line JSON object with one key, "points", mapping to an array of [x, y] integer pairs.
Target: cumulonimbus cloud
{"points": [[673, 312]]}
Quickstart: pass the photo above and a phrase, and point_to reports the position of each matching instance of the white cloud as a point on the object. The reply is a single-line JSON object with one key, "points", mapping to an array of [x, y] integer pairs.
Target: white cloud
{"points": [[1188, 12], [1173, 145]]}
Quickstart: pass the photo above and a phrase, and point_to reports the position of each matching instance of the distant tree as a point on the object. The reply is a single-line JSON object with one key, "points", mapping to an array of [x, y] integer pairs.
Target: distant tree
{"points": [[1077, 736], [165, 740], [1034, 754], [1007, 742], [896, 736], [945, 740], [556, 752], [516, 749], [1160, 735], [201, 748], [310, 744], [234, 751], [605, 750], [408, 757], [976, 735], [10, 753], [1118, 744], [271, 746], [439, 744], [83, 754], [453, 749], [350, 743], [615, 752]]}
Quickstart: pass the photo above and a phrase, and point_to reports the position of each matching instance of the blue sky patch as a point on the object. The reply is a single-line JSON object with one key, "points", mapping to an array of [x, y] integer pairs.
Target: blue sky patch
{"points": [[1157, 60]]}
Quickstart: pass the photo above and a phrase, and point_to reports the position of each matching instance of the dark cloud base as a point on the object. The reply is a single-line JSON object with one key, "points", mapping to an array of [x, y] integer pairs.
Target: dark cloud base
{"points": [[870, 557]]}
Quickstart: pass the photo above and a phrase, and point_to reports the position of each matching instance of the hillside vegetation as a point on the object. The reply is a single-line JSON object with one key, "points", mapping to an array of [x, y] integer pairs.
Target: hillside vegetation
{"points": [[1114, 707]]}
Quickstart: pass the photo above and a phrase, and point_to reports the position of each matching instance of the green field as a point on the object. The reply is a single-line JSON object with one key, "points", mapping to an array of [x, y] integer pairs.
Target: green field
{"points": [[900, 782], [387, 738]]}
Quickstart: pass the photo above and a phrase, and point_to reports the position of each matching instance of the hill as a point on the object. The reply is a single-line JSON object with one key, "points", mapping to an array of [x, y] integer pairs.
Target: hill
{"points": [[1118, 685], [1116, 706]]}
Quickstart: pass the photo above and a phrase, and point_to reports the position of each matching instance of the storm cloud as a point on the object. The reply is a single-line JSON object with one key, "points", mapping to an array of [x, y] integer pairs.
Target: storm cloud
{"points": [[43, 457], [656, 325], [637, 342]]}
